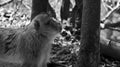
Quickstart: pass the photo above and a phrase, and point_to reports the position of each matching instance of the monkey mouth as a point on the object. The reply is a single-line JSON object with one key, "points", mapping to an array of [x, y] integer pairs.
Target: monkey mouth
{"points": [[57, 26]]}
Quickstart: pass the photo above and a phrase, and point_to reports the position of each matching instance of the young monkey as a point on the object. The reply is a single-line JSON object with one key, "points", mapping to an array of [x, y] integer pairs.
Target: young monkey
{"points": [[33, 45]]}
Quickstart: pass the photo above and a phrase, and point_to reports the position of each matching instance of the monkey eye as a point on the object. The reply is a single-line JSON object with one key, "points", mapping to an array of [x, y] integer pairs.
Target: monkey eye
{"points": [[37, 21], [48, 22]]}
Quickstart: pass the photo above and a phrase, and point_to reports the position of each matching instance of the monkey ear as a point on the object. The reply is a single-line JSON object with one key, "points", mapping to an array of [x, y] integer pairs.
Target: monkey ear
{"points": [[37, 25]]}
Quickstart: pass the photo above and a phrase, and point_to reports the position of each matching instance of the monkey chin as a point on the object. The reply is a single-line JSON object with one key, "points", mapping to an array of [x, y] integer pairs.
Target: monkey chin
{"points": [[31, 46]]}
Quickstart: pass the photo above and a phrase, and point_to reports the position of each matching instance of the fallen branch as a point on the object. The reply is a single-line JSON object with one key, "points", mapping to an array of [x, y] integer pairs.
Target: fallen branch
{"points": [[114, 29], [112, 26], [6, 3]]}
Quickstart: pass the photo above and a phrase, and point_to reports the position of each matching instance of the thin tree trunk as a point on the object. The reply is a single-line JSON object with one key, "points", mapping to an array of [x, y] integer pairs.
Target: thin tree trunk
{"points": [[89, 54], [65, 9], [38, 6]]}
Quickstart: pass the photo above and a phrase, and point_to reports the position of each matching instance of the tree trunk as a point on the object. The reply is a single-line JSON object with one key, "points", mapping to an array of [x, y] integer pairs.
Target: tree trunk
{"points": [[38, 6], [89, 54], [65, 9]]}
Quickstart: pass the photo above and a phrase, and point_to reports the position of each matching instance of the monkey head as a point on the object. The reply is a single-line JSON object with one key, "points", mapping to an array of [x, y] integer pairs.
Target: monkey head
{"points": [[46, 25]]}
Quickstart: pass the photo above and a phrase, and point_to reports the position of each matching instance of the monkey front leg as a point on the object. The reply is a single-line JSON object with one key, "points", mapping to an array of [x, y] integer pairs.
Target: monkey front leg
{"points": [[43, 61], [44, 57]]}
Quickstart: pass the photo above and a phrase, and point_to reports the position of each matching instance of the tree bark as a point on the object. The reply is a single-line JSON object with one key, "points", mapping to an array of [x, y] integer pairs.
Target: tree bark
{"points": [[65, 9], [89, 54], [38, 6]]}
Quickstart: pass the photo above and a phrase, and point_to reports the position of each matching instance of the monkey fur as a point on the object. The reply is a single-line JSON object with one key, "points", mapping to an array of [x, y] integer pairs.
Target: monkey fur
{"points": [[30, 46]]}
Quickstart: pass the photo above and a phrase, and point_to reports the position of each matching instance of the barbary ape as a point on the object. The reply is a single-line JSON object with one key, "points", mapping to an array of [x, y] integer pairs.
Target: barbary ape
{"points": [[30, 46]]}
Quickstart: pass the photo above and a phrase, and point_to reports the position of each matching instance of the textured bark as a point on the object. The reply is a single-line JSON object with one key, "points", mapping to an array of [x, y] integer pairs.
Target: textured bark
{"points": [[89, 54]]}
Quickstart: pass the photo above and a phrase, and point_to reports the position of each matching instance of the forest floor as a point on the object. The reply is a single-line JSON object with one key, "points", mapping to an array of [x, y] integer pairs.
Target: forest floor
{"points": [[105, 62], [109, 62]]}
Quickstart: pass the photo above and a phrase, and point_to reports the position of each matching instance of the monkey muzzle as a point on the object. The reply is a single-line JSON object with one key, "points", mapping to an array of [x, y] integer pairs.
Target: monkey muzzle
{"points": [[56, 24]]}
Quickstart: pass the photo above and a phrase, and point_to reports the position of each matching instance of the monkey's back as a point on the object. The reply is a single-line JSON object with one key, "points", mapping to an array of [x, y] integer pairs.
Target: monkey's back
{"points": [[9, 44]]}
